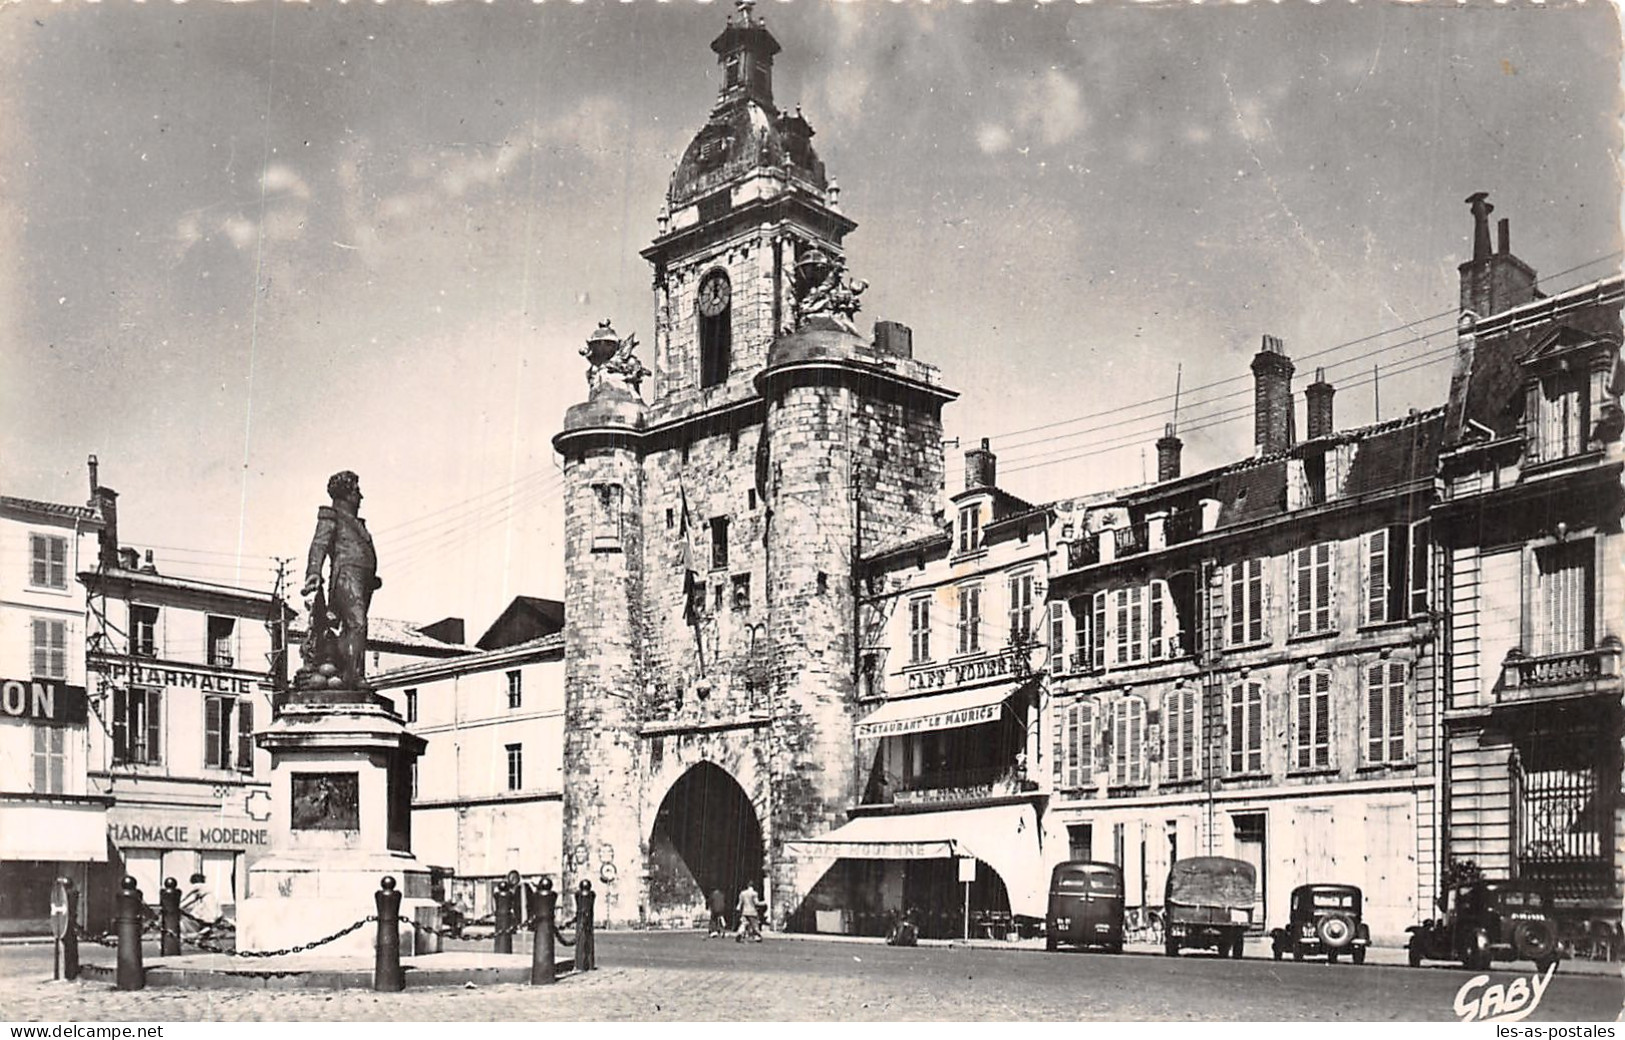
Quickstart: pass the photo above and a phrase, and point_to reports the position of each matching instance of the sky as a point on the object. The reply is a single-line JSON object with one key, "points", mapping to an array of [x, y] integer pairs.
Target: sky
{"points": [[243, 246]]}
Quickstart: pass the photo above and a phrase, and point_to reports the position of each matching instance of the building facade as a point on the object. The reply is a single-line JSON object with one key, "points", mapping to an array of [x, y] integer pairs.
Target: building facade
{"points": [[181, 675], [52, 822], [712, 532], [1533, 585]]}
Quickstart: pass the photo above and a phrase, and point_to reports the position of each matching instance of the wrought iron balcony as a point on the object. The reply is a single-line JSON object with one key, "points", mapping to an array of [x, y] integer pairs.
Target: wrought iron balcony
{"points": [[1082, 552], [1183, 526], [961, 785], [1576, 671], [1131, 540]]}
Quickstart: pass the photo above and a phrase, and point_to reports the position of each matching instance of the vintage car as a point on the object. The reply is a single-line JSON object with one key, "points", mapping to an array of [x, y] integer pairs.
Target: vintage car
{"points": [[1486, 921], [1085, 906], [1209, 905], [1324, 920]]}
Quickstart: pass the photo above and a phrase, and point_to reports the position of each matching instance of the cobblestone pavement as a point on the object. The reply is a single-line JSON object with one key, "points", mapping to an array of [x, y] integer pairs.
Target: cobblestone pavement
{"points": [[682, 976]]}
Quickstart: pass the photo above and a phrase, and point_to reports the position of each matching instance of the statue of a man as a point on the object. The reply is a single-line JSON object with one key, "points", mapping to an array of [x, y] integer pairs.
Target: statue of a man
{"points": [[342, 537]]}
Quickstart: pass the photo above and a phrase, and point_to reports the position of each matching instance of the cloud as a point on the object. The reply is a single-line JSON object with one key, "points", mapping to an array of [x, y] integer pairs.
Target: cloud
{"points": [[992, 138], [1047, 109], [284, 181]]}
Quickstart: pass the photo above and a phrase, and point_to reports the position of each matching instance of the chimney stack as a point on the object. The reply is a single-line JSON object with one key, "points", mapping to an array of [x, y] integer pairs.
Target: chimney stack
{"points": [[980, 467], [1272, 398], [93, 479], [105, 501], [1168, 446], [1498, 281], [1318, 405]]}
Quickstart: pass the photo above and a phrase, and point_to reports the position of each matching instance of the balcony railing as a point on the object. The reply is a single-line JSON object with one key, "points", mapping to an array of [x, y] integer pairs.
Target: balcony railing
{"points": [[1183, 526], [1523, 678], [1082, 552], [1131, 540]]}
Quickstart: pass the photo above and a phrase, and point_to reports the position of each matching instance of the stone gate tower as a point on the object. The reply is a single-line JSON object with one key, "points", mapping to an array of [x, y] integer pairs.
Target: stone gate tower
{"points": [[711, 533]]}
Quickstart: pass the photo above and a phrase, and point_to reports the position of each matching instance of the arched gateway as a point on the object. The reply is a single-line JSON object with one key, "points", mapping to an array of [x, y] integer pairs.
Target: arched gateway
{"points": [[711, 529]]}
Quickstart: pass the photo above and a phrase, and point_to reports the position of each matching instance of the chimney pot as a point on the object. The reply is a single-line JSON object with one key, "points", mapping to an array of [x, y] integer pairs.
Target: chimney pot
{"points": [[1272, 397], [981, 467], [1318, 406], [1168, 448], [1503, 236], [93, 484]]}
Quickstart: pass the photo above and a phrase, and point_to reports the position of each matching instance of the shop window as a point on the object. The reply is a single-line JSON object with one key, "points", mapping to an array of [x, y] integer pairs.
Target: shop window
{"points": [[1244, 597], [516, 688], [1021, 609], [1079, 737], [1562, 599], [137, 719], [516, 766], [1314, 580], [1128, 741], [1385, 712], [143, 630], [919, 630], [1312, 720], [50, 638], [50, 760], [970, 619], [1182, 729], [48, 561], [1245, 710], [222, 641]]}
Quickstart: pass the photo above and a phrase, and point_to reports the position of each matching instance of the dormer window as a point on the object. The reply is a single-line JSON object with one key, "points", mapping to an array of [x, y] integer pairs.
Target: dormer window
{"points": [[1560, 414], [970, 528]]}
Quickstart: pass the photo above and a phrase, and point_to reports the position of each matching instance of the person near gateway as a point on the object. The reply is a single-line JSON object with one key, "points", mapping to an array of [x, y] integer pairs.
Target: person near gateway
{"points": [[750, 915]]}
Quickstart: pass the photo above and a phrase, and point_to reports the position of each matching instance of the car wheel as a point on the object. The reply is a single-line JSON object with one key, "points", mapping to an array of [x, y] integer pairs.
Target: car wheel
{"points": [[1335, 932], [1359, 955], [1171, 947], [1413, 955], [1534, 940], [1236, 947]]}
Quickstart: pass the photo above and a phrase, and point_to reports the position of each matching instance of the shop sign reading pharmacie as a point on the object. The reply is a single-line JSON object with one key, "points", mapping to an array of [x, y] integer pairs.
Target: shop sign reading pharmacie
{"points": [[199, 828], [119, 669]]}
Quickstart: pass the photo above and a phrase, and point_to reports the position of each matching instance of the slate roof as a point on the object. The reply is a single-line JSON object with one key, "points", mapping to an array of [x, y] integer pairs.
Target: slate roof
{"points": [[31, 505]]}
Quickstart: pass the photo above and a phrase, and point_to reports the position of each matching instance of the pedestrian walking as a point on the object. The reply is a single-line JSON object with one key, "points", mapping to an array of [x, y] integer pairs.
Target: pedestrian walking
{"points": [[750, 914], [719, 914]]}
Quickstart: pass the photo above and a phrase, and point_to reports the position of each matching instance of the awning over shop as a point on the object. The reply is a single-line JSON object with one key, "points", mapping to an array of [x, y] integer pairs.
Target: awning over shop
{"points": [[68, 831], [1005, 837], [935, 711]]}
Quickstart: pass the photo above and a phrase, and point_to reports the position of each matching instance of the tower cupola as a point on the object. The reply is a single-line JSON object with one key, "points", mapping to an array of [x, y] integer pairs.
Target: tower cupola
{"points": [[745, 50]]}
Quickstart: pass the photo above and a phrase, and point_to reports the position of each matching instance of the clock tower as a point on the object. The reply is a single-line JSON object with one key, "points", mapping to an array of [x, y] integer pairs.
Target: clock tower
{"points": [[712, 531]]}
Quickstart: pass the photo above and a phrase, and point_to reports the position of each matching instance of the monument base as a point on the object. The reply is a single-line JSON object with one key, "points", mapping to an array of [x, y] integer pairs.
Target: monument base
{"points": [[297, 899]]}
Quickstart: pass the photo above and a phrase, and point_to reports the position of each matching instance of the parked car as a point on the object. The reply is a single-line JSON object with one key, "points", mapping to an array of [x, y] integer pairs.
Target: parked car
{"points": [[1487, 921], [1209, 905], [1085, 906], [1323, 920]]}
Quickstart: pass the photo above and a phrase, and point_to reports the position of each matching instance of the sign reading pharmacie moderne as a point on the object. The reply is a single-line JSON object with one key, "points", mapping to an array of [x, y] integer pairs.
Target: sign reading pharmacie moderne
{"points": [[182, 676], [199, 828]]}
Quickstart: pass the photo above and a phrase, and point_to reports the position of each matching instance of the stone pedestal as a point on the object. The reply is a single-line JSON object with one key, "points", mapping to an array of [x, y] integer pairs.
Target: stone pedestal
{"points": [[341, 778]]}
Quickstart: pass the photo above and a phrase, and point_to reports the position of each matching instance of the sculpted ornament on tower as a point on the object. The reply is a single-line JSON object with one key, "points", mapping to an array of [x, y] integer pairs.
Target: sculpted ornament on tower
{"points": [[610, 356], [824, 289]]}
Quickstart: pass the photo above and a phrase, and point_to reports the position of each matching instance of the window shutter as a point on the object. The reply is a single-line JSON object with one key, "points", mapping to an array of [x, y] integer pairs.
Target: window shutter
{"points": [[1070, 742], [1255, 726], [59, 650], [42, 639], [121, 729], [1376, 722], [1236, 577], [1015, 611], [1396, 711], [1082, 646], [1325, 584], [1263, 601], [1323, 719], [1375, 607], [1420, 556], [154, 707], [1099, 633], [38, 570], [1057, 638], [1191, 713], [1157, 630], [1086, 741], [214, 732], [59, 562], [1136, 736], [1238, 729], [1302, 739], [1302, 581], [245, 736]]}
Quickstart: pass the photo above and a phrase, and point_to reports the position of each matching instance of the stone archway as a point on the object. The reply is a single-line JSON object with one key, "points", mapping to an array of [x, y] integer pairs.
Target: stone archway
{"points": [[705, 836]]}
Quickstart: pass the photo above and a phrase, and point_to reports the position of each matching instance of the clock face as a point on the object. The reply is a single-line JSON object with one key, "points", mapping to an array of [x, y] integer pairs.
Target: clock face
{"points": [[714, 294]]}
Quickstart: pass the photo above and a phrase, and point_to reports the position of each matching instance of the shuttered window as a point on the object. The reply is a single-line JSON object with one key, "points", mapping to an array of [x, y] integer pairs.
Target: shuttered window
{"points": [[50, 645], [1562, 598], [1245, 710], [1135, 624], [1128, 741], [1058, 660], [1421, 556], [48, 561], [1021, 608], [1078, 742], [970, 619], [1312, 718], [919, 630], [1313, 581], [1245, 581], [137, 714], [1098, 634], [1181, 724], [1082, 644], [1374, 598], [245, 737], [1385, 712]]}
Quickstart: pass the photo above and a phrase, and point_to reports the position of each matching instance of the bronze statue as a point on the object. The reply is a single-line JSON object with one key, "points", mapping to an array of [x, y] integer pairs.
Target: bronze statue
{"points": [[335, 652], [609, 355], [823, 288]]}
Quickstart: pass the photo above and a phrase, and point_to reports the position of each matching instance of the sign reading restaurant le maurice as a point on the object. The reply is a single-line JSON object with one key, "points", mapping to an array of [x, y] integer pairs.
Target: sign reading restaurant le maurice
{"points": [[43, 700], [116, 669]]}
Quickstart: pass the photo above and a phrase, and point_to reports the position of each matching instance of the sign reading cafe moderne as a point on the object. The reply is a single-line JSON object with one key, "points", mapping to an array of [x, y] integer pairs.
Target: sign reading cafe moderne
{"points": [[949, 675]]}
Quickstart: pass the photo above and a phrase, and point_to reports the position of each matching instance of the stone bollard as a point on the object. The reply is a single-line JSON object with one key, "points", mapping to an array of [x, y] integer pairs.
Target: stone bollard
{"points": [[544, 967], [586, 956], [503, 936], [169, 916], [387, 974], [131, 909], [70, 936]]}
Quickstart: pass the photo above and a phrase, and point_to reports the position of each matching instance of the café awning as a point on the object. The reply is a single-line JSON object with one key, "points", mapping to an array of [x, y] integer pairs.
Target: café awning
{"points": [[935, 711], [59, 828], [1005, 837]]}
